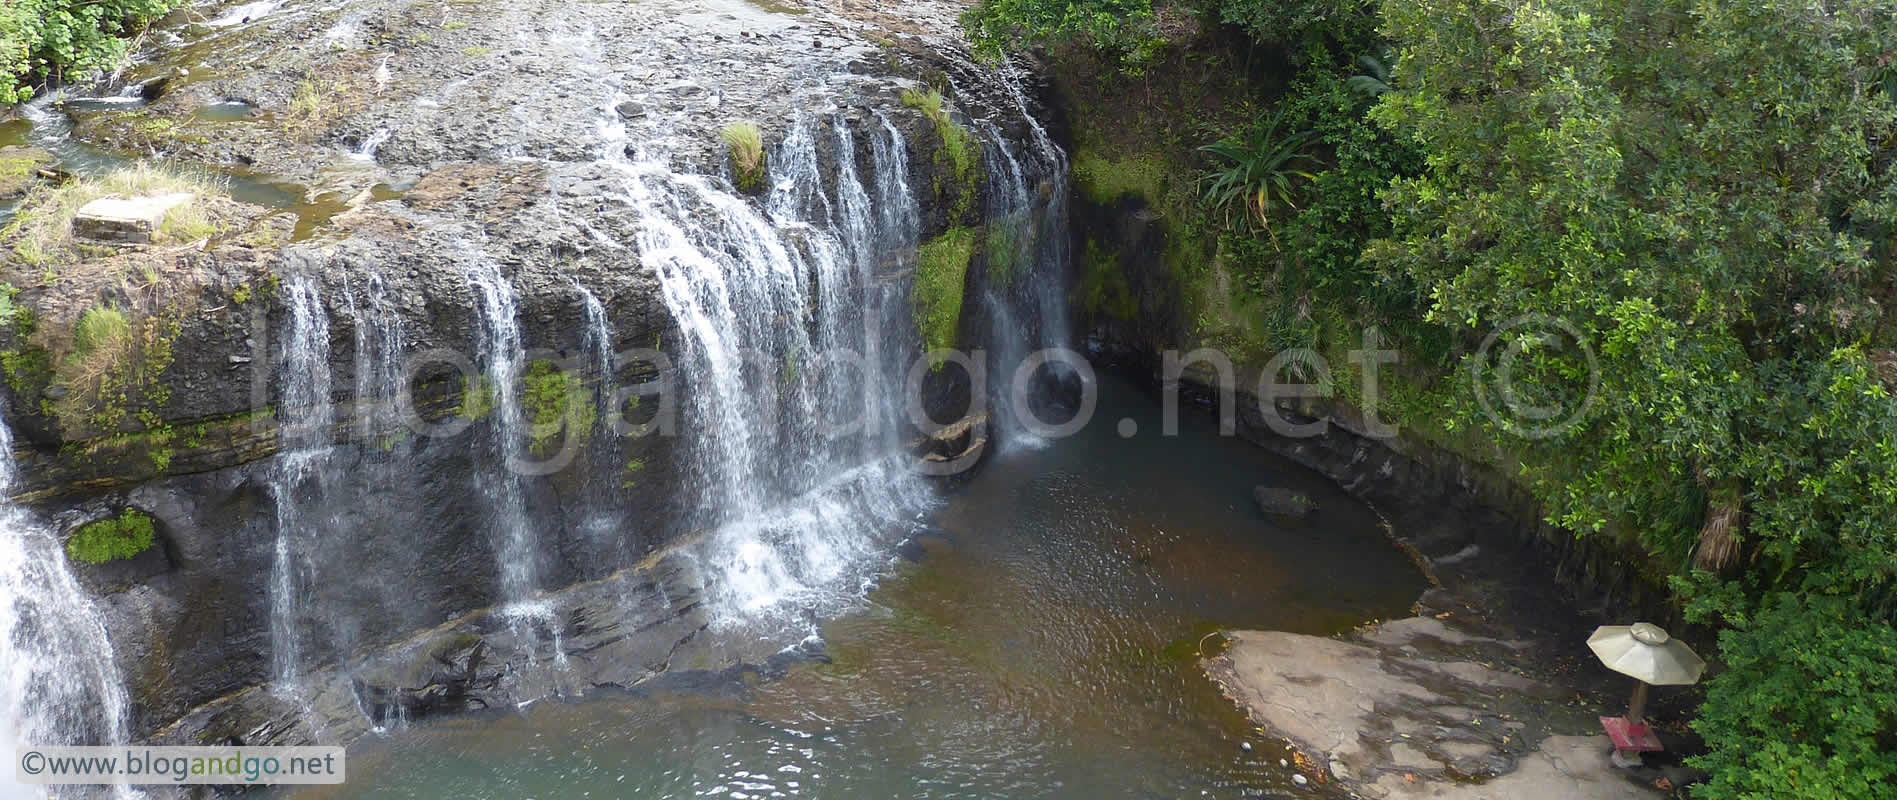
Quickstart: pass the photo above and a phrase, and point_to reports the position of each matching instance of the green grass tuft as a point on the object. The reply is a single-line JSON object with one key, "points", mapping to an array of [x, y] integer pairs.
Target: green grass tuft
{"points": [[99, 329], [746, 144]]}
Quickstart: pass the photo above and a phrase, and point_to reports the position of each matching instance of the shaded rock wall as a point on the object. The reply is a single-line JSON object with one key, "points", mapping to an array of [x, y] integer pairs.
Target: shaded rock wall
{"points": [[1443, 500]]}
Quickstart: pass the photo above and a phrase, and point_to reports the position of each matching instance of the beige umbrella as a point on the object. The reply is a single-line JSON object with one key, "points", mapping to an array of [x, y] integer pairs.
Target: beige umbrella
{"points": [[1647, 653]]}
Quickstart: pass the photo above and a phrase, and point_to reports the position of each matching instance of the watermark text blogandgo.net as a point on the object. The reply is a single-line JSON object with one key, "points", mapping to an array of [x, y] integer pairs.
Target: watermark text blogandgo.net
{"points": [[179, 765]]}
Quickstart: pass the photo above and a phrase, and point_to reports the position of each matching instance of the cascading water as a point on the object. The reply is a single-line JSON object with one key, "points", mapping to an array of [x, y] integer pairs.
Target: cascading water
{"points": [[378, 363], [783, 381], [899, 214], [501, 360], [597, 344], [60, 685], [1026, 251], [604, 521], [301, 478], [366, 152]]}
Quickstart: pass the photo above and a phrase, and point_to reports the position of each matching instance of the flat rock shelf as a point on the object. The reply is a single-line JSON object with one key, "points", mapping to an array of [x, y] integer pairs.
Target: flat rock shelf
{"points": [[1417, 708]]}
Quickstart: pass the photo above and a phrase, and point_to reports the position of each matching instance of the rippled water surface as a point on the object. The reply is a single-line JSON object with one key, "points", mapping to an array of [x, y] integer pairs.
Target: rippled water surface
{"points": [[1042, 643]]}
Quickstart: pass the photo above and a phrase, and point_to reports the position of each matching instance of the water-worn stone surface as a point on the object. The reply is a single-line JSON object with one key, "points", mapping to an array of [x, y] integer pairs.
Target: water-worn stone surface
{"points": [[1489, 692], [1415, 708]]}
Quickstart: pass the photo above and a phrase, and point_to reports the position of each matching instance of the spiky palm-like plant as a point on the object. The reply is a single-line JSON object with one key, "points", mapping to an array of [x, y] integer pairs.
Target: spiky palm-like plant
{"points": [[1255, 171]]}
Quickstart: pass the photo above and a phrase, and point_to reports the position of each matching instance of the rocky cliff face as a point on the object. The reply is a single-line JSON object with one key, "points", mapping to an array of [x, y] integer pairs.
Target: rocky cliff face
{"points": [[452, 199]]}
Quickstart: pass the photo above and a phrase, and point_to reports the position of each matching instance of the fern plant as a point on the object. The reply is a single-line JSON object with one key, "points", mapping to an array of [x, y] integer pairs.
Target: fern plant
{"points": [[1256, 171]]}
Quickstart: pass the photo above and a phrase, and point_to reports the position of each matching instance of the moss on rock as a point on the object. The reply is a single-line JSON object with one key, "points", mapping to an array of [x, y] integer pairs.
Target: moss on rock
{"points": [[958, 155], [112, 539], [1105, 181], [1103, 288], [553, 400], [19, 169], [941, 276]]}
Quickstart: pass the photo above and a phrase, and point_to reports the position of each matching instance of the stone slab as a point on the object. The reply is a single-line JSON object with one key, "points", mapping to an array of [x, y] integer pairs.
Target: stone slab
{"points": [[126, 219]]}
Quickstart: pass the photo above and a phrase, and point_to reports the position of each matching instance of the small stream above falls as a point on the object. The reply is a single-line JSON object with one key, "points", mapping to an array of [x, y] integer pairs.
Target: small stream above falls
{"points": [[1041, 643]]}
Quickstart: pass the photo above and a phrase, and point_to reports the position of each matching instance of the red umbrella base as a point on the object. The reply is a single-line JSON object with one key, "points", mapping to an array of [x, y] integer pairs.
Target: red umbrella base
{"points": [[1628, 736]]}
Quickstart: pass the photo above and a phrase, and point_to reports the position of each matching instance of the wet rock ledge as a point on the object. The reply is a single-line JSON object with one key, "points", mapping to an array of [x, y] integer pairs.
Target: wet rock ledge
{"points": [[1419, 708]]}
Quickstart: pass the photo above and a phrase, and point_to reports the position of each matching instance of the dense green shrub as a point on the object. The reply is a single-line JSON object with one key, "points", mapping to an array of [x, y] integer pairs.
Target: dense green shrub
{"points": [[1342, 209], [1697, 187], [1134, 32], [112, 539], [55, 40], [1808, 707], [1120, 28]]}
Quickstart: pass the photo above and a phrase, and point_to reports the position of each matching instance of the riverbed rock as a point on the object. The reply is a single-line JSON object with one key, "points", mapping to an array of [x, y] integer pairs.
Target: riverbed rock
{"points": [[1283, 502]]}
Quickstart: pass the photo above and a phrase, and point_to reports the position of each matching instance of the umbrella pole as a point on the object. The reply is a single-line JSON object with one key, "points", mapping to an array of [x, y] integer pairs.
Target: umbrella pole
{"points": [[1639, 704]]}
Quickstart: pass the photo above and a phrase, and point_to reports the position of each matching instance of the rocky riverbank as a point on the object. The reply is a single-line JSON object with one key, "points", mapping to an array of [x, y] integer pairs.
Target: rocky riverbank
{"points": [[1490, 690]]}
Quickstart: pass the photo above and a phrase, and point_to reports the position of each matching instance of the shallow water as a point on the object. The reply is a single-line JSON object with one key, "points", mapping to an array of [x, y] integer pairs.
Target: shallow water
{"points": [[50, 129], [1042, 644]]}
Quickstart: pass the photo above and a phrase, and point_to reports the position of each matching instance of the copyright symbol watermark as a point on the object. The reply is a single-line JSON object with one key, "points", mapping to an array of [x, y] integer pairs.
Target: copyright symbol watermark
{"points": [[1526, 375], [32, 762]]}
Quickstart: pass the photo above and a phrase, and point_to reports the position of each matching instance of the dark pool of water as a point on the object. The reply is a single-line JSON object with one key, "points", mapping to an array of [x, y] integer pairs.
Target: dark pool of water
{"points": [[1044, 644]]}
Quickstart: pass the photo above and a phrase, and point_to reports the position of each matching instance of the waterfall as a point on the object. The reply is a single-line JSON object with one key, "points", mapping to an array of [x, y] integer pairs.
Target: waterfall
{"points": [[899, 214], [319, 603], [796, 177], [378, 363], [1050, 248], [501, 359], [60, 685], [857, 222], [604, 520], [301, 478], [783, 364], [1026, 251], [597, 344], [366, 151]]}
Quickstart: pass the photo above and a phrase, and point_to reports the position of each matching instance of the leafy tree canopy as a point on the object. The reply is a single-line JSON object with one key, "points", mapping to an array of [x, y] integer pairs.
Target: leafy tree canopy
{"points": [[1702, 186], [52, 40]]}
